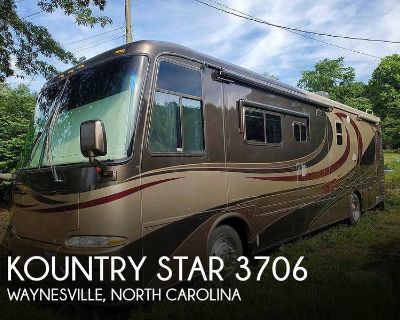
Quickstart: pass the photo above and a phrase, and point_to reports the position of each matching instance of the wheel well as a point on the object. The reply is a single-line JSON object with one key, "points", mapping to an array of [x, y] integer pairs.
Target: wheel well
{"points": [[241, 228]]}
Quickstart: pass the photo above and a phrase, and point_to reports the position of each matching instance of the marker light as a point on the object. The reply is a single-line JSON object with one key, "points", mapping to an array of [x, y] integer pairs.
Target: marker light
{"points": [[94, 241], [119, 51]]}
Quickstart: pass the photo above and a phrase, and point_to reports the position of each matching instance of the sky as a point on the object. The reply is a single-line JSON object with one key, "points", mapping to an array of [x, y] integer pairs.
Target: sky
{"points": [[249, 44]]}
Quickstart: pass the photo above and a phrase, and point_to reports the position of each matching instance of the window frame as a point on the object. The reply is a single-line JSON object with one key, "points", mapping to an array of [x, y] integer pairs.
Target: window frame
{"points": [[300, 124], [264, 112], [181, 96], [339, 133]]}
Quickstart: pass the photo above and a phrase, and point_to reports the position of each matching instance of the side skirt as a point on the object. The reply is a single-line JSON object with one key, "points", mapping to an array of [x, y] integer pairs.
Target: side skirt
{"points": [[253, 246]]}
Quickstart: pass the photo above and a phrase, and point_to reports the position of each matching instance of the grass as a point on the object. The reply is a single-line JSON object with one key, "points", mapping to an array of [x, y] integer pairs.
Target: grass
{"points": [[392, 157], [392, 164], [353, 273]]}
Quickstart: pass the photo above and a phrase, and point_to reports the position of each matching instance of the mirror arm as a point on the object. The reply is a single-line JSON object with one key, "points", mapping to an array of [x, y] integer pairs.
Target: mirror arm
{"points": [[98, 164], [101, 169]]}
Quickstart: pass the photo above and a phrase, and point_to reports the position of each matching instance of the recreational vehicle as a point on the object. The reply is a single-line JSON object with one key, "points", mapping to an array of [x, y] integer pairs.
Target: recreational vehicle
{"points": [[153, 149]]}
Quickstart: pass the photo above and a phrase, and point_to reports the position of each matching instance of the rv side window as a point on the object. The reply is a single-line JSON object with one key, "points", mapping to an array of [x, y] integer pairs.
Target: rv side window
{"points": [[173, 77], [192, 120], [299, 131], [165, 123], [262, 127], [254, 126], [339, 134], [274, 130], [177, 114]]}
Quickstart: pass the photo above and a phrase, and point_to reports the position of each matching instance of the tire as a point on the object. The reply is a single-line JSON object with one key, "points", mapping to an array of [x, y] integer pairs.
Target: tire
{"points": [[355, 208], [225, 242]]}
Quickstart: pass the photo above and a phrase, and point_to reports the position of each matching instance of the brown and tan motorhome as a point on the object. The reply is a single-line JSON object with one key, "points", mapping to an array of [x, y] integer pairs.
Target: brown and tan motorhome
{"points": [[153, 149]]}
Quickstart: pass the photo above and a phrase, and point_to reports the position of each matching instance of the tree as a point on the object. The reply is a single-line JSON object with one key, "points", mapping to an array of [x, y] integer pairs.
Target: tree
{"points": [[326, 75], [353, 94], [384, 87], [333, 77], [16, 116], [16, 130], [30, 45], [391, 132], [384, 91]]}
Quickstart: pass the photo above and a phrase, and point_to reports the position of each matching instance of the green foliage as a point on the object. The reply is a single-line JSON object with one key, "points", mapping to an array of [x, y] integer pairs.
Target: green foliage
{"points": [[392, 177], [80, 9], [353, 94], [326, 75], [384, 87], [381, 94], [391, 132], [333, 77], [384, 90], [16, 130], [29, 45]]}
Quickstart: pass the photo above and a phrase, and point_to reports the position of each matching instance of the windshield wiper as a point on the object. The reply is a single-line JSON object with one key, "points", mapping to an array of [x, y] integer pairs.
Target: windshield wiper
{"points": [[35, 145], [49, 133]]}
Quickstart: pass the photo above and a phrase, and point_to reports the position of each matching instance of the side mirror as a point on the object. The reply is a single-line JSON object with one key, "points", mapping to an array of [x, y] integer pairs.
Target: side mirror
{"points": [[94, 144], [93, 139]]}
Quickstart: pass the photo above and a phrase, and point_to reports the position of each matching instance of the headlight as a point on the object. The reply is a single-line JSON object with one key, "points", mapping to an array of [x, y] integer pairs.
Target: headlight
{"points": [[94, 241]]}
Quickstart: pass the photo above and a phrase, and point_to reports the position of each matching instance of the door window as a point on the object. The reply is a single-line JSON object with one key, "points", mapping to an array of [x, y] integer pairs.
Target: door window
{"points": [[177, 114]]}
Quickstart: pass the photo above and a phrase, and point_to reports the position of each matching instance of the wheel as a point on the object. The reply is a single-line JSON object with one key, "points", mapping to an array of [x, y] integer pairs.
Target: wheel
{"points": [[355, 208], [224, 242]]}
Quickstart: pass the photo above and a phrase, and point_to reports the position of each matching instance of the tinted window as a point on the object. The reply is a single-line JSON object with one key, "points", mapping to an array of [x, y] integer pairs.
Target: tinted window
{"points": [[254, 126], [303, 132], [170, 114], [299, 132], [296, 132], [176, 78], [165, 124], [339, 134], [338, 127], [192, 126], [273, 126], [100, 82]]}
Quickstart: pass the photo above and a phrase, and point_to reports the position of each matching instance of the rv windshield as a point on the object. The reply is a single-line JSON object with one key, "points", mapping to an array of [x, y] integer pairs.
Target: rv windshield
{"points": [[109, 91]]}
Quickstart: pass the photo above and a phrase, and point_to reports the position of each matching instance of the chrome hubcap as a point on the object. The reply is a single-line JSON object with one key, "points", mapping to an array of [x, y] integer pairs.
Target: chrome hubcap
{"points": [[355, 207]]}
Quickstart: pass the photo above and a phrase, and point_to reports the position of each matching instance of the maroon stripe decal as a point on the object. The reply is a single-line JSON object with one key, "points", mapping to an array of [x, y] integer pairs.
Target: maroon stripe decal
{"points": [[105, 199], [317, 174]]}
